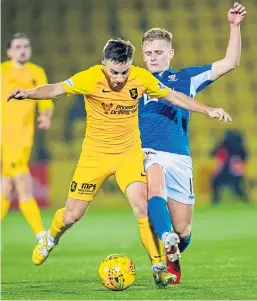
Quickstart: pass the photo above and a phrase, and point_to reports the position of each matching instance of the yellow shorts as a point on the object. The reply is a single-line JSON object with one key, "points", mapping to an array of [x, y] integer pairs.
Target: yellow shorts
{"points": [[93, 168], [15, 161]]}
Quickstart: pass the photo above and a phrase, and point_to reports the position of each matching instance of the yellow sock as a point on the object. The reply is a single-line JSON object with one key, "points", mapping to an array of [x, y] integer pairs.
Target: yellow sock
{"points": [[159, 244], [148, 240], [58, 227], [31, 212], [160, 248], [5, 205]]}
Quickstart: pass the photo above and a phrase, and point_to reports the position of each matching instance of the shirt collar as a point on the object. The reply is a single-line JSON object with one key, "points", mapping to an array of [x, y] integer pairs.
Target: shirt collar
{"points": [[170, 70], [161, 74]]}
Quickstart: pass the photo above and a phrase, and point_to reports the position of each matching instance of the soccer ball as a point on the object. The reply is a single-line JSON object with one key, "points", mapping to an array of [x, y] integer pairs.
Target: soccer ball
{"points": [[117, 272]]}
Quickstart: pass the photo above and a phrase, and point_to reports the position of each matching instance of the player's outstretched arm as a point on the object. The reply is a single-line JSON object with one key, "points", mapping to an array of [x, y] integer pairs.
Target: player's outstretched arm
{"points": [[236, 14], [185, 102], [42, 92]]}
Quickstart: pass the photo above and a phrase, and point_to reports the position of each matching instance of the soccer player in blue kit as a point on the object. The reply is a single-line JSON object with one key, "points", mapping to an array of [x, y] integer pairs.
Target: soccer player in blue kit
{"points": [[164, 135]]}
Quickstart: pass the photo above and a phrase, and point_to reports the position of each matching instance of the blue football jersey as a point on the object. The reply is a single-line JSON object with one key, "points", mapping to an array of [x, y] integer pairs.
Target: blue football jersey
{"points": [[163, 126]]}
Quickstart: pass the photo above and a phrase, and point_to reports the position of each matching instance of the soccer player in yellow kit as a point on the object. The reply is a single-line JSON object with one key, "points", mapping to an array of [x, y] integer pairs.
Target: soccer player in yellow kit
{"points": [[112, 142], [18, 129]]}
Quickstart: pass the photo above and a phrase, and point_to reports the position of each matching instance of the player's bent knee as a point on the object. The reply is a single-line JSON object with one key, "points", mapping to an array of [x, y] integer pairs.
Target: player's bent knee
{"points": [[72, 216], [7, 186], [137, 196], [23, 184], [183, 230], [140, 209], [74, 210], [156, 190], [7, 192]]}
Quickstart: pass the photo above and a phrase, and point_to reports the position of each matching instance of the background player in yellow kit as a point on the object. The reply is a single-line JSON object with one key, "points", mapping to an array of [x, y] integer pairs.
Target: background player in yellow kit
{"points": [[18, 129], [112, 142]]}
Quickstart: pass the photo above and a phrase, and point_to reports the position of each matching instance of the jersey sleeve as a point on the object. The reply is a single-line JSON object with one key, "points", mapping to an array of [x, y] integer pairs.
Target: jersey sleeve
{"points": [[153, 87], [47, 103], [200, 78], [81, 83]]}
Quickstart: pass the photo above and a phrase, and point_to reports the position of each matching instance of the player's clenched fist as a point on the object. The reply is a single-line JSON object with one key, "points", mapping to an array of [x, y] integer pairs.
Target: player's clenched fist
{"points": [[219, 113], [18, 94], [236, 14]]}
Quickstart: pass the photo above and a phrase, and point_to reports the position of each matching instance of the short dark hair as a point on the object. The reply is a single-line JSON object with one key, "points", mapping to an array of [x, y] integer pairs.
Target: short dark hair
{"points": [[118, 51], [18, 35]]}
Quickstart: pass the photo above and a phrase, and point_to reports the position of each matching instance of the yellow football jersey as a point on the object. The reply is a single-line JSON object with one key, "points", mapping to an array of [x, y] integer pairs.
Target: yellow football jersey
{"points": [[112, 117], [18, 116]]}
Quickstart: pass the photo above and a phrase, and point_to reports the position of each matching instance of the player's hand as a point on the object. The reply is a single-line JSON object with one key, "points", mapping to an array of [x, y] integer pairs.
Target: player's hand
{"points": [[18, 94], [236, 14], [219, 113], [44, 120]]}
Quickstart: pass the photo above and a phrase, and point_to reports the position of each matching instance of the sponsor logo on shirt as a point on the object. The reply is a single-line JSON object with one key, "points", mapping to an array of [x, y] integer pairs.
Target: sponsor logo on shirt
{"points": [[172, 78], [106, 107], [119, 110], [124, 110]]}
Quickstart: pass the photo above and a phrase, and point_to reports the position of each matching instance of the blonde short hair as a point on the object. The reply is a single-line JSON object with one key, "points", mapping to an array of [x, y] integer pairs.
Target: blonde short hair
{"points": [[157, 34]]}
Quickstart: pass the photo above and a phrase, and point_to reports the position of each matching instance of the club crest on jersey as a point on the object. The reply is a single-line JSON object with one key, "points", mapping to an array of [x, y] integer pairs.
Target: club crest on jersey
{"points": [[161, 86], [172, 78], [106, 107], [133, 93]]}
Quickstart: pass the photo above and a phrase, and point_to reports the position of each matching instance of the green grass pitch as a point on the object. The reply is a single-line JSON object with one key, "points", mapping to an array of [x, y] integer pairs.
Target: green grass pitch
{"points": [[221, 262]]}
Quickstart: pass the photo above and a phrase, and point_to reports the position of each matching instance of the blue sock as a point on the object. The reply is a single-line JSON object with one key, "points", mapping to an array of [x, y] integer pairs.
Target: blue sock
{"points": [[184, 242], [159, 215]]}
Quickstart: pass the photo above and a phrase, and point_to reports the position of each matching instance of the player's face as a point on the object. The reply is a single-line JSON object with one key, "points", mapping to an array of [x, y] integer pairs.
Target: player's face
{"points": [[20, 51], [117, 73], [157, 55]]}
